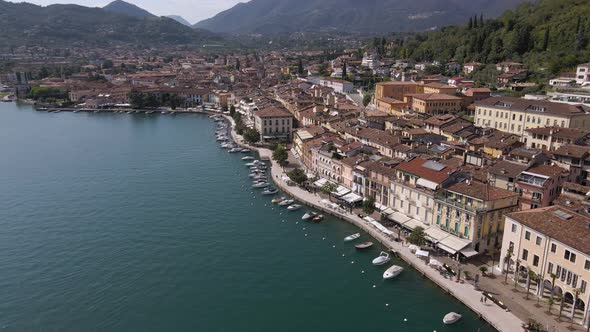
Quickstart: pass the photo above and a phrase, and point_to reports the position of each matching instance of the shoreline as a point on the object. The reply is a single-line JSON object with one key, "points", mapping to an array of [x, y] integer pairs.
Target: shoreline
{"points": [[498, 318]]}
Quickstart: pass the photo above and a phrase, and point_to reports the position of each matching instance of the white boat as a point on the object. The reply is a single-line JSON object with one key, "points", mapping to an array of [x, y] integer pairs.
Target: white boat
{"points": [[270, 191], [392, 272], [294, 207], [309, 215], [278, 200], [352, 237], [383, 258], [250, 165], [451, 318], [248, 158], [260, 185], [245, 150], [235, 150], [364, 245], [286, 202]]}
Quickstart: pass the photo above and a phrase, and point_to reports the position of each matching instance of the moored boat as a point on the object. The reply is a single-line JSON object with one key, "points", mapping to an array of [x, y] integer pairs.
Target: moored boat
{"points": [[309, 215], [260, 185], [286, 202], [235, 150], [248, 158], [364, 245], [278, 200], [352, 237], [270, 191], [392, 272], [318, 218], [451, 318], [294, 207], [383, 258]]}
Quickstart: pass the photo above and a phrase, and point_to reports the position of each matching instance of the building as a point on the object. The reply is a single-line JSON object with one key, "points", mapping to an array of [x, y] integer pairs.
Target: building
{"points": [[339, 86], [540, 185], [434, 103], [516, 115], [552, 138], [506, 67], [390, 105], [504, 173], [438, 88], [470, 67], [273, 123], [554, 243], [583, 74], [473, 212], [395, 90]]}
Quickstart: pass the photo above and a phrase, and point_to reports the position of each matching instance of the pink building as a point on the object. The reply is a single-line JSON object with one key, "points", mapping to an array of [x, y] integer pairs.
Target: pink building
{"points": [[540, 185]]}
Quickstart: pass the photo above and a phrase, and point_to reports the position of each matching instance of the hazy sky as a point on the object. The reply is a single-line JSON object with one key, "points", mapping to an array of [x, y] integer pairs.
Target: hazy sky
{"points": [[191, 10]]}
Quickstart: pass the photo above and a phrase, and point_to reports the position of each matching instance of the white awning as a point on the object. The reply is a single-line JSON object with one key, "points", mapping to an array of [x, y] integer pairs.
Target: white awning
{"points": [[351, 198], [341, 191], [469, 252], [447, 249], [435, 263], [422, 253], [388, 211], [427, 184], [398, 217], [381, 228], [454, 243], [320, 183], [413, 248], [435, 234], [368, 219], [380, 207], [413, 223]]}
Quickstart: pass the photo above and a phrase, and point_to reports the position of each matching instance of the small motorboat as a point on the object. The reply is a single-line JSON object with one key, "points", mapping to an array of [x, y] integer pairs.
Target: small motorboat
{"points": [[392, 272], [383, 258], [309, 215], [260, 185], [294, 207], [352, 237], [245, 150], [278, 200], [235, 150], [318, 218], [248, 158], [364, 245], [286, 202], [451, 318], [270, 191]]}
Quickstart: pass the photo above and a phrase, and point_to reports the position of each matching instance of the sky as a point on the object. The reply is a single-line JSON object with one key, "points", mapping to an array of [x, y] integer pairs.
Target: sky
{"points": [[191, 10]]}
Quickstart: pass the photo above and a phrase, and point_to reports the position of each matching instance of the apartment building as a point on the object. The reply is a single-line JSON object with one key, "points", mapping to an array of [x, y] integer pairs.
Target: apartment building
{"points": [[433, 103], [395, 90], [540, 185], [273, 123]]}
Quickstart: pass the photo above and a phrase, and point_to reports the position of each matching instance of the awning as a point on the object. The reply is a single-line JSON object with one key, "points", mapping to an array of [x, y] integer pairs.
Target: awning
{"points": [[380, 207], [413, 223], [427, 184], [435, 234], [387, 211], [422, 253], [351, 198], [453, 243], [320, 183], [413, 248], [368, 219], [341, 191], [469, 252], [398, 217], [435, 263], [447, 249], [382, 228]]}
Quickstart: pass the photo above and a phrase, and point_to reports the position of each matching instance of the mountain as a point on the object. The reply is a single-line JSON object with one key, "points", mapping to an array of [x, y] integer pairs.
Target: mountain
{"points": [[73, 25], [125, 8], [367, 16], [180, 20], [549, 36]]}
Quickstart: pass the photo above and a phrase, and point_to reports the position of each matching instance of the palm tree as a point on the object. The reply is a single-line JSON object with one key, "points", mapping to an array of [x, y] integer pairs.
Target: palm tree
{"points": [[577, 292], [553, 277], [531, 276], [509, 254], [561, 303], [516, 274]]}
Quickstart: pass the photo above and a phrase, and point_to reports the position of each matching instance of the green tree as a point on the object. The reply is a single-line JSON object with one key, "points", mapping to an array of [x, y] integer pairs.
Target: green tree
{"points": [[232, 111], [509, 254], [300, 70], [551, 301], [369, 205], [329, 188], [546, 39], [531, 276], [280, 155], [252, 135], [298, 176], [237, 64], [367, 97], [344, 73], [107, 64], [417, 237]]}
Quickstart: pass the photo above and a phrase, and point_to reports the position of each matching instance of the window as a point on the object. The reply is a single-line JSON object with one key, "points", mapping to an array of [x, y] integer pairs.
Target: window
{"points": [[527, 235], [539, 240], [513, 228], [550, 268], [417, 210], [569, 277], [563, 274], [583, 285], [575, 281], [535, 260], [587, 265], [525, 254], [570, 256], [558, 271], [553, 247]]}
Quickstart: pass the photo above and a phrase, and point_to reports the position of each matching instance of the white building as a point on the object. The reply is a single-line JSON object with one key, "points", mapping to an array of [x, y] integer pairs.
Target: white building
{"points": [[340, 86], [583, 74]]}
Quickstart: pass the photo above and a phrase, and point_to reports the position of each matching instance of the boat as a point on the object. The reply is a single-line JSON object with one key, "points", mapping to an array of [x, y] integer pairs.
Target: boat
{"points": [[260, 185], [250, 165], [286, 202], [392, 272], [383, 258], [248, 158], [352, 237], [270, 191], [278, 200], [318, 218], [255, 175], [245, 150], [451, 318], [294, 207], [364, 245], [235, 150], [309, 215]]}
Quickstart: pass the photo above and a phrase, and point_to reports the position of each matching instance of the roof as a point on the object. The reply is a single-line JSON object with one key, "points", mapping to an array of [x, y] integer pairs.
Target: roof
{"points": [[437, 85], [439, 120], [533, 106], [571, 133], [434, 96], [507, 168], [419, 167], [481, 191], [546, 170], [572, 229], [271, 112], [571, 150]]}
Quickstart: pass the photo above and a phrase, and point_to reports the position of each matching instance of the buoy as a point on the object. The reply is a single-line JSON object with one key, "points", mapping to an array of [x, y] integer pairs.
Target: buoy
{"points": [[333, 246], [305, 234], [374, 286], [323, 238], [387, 304], [405, 319], [343, 255], [352, 262], [363, 271]]}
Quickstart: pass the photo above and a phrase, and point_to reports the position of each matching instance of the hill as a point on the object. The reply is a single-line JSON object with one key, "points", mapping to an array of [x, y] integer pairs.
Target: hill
{"points": [[73, 25], [180, 20], [125, 8], [367, 16], [549, 36]]}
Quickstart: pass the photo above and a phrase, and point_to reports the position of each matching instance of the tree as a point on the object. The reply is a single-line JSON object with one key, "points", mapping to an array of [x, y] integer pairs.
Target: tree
{"points": [[298, 176], [369, 205], [367, 97], [577, 292], [300, 67], [232, 111], [280, 155], [509, 254], [531, 276], [516, 273], [483, 270], [470, 25], [546, 40], [252, 135], [551, 301], [418, 237], [328, 188], [237, 64], [344, 74]]}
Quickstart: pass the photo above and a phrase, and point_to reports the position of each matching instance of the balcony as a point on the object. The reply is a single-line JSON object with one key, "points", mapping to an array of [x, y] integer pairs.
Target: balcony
{"points": [[460, 205]]}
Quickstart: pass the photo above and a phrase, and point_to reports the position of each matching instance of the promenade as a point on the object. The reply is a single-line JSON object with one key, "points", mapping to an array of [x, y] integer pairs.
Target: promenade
{"points": [[497, 317]]}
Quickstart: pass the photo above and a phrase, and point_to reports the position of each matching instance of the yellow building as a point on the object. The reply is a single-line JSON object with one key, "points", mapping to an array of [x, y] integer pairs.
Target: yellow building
{"points": [[395, 90], [473, 212], [432, 103], [554, 243], [516, 115], [438, 88], [390, 105]]}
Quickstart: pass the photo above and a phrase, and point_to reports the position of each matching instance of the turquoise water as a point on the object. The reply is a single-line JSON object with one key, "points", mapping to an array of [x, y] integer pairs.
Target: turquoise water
{"points": [[116, 222]]}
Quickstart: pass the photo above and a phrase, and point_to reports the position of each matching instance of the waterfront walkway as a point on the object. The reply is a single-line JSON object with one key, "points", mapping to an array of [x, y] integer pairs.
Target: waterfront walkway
{"points": [[500, 319]]}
